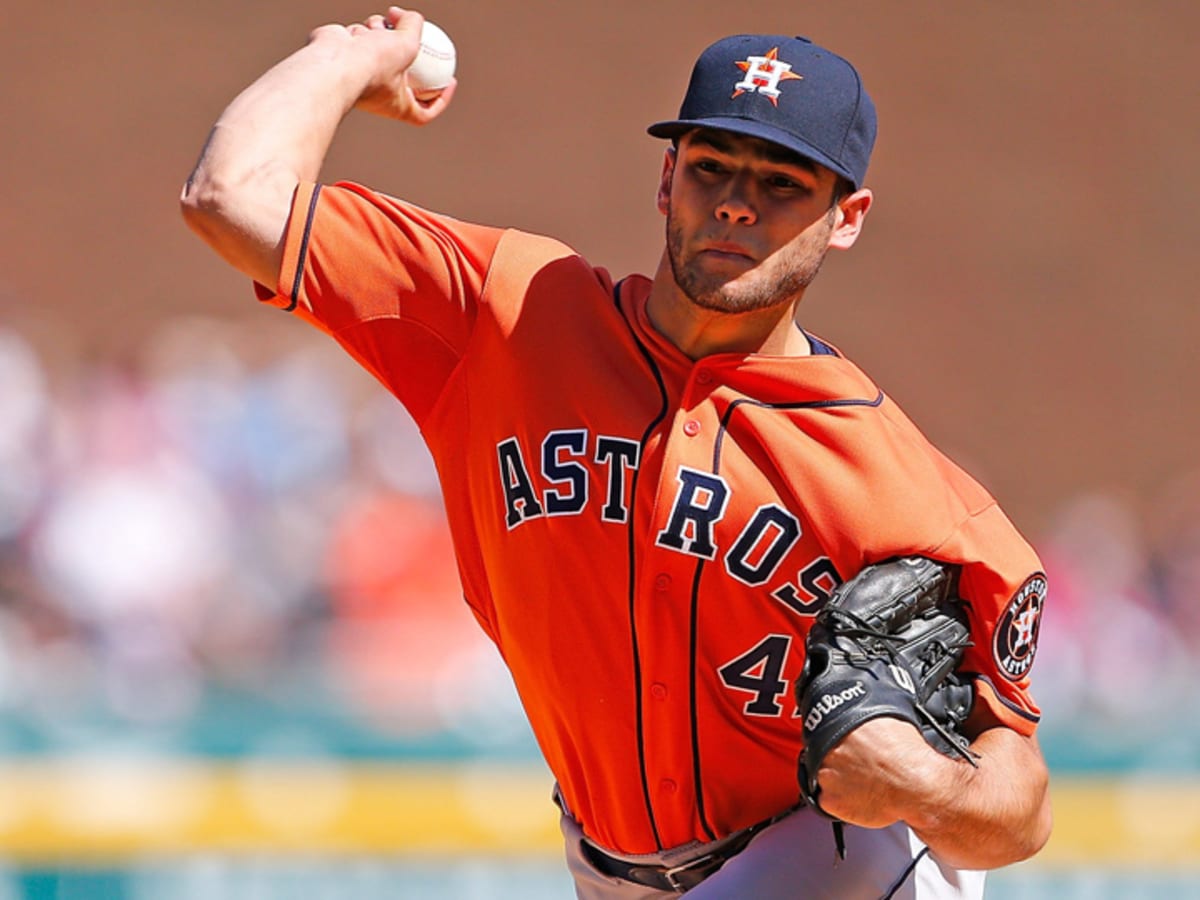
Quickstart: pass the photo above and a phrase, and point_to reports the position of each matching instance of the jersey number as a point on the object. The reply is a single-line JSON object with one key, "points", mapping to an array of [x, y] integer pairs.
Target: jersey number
{"points": [[760, 672]]}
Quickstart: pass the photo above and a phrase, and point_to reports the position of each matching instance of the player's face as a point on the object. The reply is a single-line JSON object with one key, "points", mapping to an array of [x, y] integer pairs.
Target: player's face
{"points": [[748, 224]]}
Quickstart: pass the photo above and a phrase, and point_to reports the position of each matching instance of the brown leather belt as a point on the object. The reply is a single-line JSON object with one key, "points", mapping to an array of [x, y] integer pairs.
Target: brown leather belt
{"points": [[679, 878]]}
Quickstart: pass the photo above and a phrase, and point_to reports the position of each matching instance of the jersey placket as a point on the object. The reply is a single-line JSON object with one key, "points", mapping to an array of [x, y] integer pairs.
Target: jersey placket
{"points": [[678, 545]]}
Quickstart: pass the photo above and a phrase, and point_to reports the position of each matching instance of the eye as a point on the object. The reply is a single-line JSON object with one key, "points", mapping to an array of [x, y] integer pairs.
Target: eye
{"points": [[786, 183], [711, 166]]}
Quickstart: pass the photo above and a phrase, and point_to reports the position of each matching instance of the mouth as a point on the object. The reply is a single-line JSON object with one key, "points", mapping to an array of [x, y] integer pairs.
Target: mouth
{"points": [[729, 252]]}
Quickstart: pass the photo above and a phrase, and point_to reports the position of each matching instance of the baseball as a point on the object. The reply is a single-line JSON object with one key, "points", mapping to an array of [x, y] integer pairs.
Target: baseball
{"points": [[434, 66]]}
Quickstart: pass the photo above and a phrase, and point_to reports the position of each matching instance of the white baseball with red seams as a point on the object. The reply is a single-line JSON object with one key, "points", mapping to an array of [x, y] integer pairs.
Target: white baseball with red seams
{"points": [[434, 66]]}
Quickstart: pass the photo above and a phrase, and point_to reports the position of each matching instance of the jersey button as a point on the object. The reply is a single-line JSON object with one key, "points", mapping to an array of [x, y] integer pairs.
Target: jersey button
{"points": [[662, 581], [691, 428], [668, 786], [658, 691], [704, 377]]}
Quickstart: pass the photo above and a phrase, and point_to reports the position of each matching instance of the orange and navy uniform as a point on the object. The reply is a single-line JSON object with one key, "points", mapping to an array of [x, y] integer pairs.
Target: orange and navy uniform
{"points": [[646, 537]]}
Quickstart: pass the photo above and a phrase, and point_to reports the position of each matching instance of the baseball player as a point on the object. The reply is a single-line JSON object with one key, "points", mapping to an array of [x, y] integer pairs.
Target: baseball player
{"points": [[655, 483]]}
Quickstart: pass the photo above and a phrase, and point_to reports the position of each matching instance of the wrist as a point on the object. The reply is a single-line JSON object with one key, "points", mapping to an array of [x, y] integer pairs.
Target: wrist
{"points": [[882, 772], [341, 62]]}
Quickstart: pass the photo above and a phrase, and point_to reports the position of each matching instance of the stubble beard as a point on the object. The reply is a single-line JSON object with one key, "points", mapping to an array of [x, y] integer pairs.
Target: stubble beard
{"points": [[796, 270]]}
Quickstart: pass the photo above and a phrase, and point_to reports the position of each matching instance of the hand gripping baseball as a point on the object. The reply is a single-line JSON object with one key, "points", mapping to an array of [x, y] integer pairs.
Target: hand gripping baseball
{"points": [[393, 44], [886, 644]]}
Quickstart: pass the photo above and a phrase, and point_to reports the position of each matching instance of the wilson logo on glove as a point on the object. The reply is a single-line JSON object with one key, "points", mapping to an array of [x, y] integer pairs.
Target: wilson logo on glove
{"points": [[830, 702], [896, 633]]}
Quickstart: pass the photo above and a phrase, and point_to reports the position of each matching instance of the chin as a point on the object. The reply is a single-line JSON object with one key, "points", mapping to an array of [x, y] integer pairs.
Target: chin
{"points": [[721, 302]]}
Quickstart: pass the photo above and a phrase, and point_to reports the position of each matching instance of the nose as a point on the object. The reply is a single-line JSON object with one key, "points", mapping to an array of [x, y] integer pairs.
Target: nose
{"points": [[737, 205]]}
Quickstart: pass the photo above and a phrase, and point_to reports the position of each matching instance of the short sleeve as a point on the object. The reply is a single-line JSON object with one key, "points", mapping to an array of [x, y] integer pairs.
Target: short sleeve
{"points": [[398, 286]]}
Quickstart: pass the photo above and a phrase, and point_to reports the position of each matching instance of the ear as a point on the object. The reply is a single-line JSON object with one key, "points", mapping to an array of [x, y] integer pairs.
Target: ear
{"points": [[663, 199], [851, 211]]}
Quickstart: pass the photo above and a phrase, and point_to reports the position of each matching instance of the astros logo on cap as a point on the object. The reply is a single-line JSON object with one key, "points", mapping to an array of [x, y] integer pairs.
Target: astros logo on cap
{"points": [[763, 74]]}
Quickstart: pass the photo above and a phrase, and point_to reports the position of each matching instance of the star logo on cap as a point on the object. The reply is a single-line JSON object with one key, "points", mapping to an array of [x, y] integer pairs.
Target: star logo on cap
{"points": [[763, 75]]}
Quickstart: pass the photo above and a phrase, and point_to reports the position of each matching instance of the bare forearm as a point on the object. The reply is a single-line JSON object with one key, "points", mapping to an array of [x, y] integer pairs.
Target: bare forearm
{"points": [[282, 125], [990, 816], [272, 136], [971, 817], [275, 134]]}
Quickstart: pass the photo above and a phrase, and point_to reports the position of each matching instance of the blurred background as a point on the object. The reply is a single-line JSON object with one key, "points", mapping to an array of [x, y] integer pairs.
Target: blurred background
{"points": [[234, 660]]}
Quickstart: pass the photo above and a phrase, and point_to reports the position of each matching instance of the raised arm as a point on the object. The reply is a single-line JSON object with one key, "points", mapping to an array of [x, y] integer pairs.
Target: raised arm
{"points": [[275, 134]]}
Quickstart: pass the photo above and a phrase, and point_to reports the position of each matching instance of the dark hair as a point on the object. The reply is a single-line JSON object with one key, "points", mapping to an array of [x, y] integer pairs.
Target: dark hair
{"points": [[841, 188]]}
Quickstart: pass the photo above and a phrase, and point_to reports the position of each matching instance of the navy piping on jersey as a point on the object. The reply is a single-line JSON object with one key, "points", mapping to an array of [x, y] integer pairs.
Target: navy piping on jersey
{"points": [[1008, 704], [632, 551], [819, 347], [904, 876], [693, 706], [695, 613], [308, 224]]}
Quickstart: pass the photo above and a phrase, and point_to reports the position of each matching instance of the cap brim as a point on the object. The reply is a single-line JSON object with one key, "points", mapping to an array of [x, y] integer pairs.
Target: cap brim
{"points": [[673, 128]]}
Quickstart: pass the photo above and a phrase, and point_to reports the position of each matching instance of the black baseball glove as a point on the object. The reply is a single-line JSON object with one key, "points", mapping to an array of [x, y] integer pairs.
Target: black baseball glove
{"points": [[886, 644]]}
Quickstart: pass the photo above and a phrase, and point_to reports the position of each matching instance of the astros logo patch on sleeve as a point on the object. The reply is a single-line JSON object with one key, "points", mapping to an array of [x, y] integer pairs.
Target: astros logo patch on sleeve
{"points": [[1016, 637]]}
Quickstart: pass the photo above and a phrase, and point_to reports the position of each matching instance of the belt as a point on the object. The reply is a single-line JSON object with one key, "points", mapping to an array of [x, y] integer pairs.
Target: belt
{"points": [[679, 878]]}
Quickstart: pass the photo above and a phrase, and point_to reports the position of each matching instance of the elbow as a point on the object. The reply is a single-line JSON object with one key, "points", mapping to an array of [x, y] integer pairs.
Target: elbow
{"points": [[1041, 824], [1030, 843], [1030, 833], [1012, 823], [190, 205], [203, 205], [194, 216], [243, 222]]}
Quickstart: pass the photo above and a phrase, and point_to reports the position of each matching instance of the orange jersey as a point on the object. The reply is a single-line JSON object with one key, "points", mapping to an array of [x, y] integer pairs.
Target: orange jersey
{"points": [[645, 537]]}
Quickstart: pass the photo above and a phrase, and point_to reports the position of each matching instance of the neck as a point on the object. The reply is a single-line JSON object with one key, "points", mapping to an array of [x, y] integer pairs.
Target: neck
{"points": [[700, 332]]}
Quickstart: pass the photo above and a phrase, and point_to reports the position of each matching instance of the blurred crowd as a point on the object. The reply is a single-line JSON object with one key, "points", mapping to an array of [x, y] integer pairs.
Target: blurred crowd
{"points": [[191, 518], [205, 515]]}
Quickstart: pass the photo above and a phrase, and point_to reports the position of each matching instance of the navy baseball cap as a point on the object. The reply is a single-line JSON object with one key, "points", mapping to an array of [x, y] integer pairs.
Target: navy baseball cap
{"points": [[786, 90]]}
